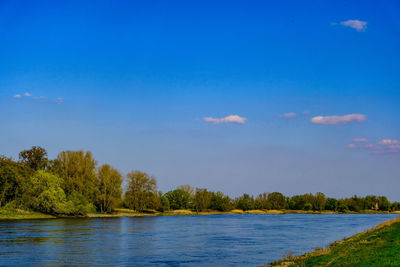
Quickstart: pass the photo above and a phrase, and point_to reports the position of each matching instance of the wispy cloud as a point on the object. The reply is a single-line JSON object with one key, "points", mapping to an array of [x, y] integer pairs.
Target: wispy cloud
{"points": [[384, 146], [306, 112], [58, 100], [356, 24], [227, 119], [289, 115], [389, 142], [360, 140], [351, 146], [334, 120]]}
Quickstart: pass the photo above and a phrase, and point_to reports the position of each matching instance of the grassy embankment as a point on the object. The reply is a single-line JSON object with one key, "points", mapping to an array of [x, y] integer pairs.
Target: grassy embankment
{"points": [[16, 214], [22, 214], [379, 246]]}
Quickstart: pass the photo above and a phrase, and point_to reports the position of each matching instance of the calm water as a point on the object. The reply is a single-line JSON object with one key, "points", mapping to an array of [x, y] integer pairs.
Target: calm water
{"points": [[174, 240]]}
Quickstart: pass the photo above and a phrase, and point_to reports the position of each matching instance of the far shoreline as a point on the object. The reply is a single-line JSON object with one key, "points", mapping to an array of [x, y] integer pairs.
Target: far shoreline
{"points": [[119, 213]]}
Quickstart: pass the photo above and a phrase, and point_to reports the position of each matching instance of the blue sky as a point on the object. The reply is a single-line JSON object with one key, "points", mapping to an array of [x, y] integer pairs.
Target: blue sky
{"points": [[150, 85]]}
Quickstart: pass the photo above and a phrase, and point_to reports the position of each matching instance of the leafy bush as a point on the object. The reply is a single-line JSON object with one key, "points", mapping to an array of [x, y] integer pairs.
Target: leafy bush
{"points": [[46, 194]]}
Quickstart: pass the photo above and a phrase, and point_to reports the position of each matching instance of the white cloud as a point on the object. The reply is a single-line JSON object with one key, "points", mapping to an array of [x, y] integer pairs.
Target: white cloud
{"points": [[333, 120], [351, 146], [227, 119], [360, 140], [17, 96], [289, 115], [384, 146], [389, 142], [355, 24], [59, 100], [27, 94]]}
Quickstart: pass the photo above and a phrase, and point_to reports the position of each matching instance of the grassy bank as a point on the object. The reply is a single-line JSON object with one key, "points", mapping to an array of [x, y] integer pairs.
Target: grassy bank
{"points": [[23, 214], [379, 246], [16, 214]]}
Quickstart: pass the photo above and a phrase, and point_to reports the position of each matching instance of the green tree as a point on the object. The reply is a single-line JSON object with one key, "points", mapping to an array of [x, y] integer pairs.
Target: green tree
{"points": [[13, 177], [35, 158], [220, 202], [46, 194], [342, 206], [141, 193], [383, 203], [109, 180], [187, 188], [319, 201], [277, 200], [78, 170], [261, 202], [179, 199], [164, 202], [395, 206], [331, 204], [202, 199], [308, 206], [245, 202]]}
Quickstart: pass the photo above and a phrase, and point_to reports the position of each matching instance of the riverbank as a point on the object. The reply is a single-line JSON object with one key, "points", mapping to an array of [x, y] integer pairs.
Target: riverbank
{"points": [[379, 246], [17, 214], [6, 214]]}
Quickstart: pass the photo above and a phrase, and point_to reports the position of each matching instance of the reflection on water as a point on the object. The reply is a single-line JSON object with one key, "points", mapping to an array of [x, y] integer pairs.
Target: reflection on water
{"points": [[173, 240]]}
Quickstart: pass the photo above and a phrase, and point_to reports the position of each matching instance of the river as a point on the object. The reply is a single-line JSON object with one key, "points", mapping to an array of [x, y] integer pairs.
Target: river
{"points": [[210, 240]]}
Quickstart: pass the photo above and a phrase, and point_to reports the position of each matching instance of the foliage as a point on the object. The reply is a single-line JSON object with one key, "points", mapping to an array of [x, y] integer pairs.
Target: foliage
{"points": [[141, 193], [35, 158], [277, 201], [46, 194], [261, 202], [12, 180], [109, 180], [77, 205], [71, 185], [220, 202], [164, 203], [78, 170], [201, 199], [245, 202], [179, 199]]}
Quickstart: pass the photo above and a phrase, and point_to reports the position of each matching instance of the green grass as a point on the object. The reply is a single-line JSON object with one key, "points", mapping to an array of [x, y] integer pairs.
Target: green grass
{"points": [[379, 246], [17, 214]]}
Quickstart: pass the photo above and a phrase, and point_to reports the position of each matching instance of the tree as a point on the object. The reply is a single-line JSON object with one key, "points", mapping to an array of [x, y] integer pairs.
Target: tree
{"points": [[319, 201], [342, 206], [179, 199], [245, 202], [110, 181], [141, 193], [202, 199], [35, 158], [277, 200], [78, 170], [261, 202], [187, 188], [331, 204], [164, 203], [220, 202], [383, 203], [46, 194], [12, 180]]}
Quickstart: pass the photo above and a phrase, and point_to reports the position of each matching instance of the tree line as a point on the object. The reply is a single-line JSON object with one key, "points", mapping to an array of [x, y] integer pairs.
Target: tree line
{"points": [[74, 184]]}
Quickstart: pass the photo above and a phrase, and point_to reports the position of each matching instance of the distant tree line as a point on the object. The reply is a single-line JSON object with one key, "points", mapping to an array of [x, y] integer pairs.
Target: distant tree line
{"points": [[73, 184]]}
